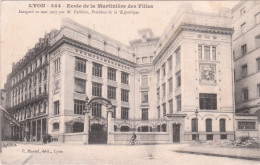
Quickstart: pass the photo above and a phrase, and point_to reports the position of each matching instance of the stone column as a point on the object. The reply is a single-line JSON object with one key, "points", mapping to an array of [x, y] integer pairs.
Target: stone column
{"points": [[86, 128], [110, 124]]}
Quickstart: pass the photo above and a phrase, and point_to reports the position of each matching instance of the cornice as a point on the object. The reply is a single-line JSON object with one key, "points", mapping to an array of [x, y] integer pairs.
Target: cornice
{"points": [[72, 42]]}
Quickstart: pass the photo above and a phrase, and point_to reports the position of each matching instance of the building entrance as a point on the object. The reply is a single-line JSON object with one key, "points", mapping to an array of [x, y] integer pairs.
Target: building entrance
{"points": [[97, 134], [176, 133]]}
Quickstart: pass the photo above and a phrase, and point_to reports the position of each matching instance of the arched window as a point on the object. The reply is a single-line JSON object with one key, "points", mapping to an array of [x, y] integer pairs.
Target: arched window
{"points": [[222, 125], [124, 129], [164, 127], [208, 125], [194, 125], [56, 126]]}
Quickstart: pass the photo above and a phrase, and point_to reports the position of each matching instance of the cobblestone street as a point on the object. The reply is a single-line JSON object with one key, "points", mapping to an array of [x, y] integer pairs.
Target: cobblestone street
{"points": [[109, 154]]}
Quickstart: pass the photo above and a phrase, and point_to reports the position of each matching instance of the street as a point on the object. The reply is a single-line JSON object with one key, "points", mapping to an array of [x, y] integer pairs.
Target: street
{"points": [[108, 154]]}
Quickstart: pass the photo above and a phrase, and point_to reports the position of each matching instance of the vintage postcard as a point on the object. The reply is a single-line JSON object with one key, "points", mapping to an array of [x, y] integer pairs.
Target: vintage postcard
{"points": [[130, 82]]}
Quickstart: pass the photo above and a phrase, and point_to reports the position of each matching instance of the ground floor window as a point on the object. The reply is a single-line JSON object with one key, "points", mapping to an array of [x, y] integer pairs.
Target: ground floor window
{"points": [[210, 137], [158, 128], [194, 136], [224, 136], [164, 128], [115, 128], [246, 125], [78, 127], [124, 129], [56, 126]]}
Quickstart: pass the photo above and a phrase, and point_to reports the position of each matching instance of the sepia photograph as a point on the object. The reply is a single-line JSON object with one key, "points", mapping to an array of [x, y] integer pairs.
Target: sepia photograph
{"points": [[130, 82]]}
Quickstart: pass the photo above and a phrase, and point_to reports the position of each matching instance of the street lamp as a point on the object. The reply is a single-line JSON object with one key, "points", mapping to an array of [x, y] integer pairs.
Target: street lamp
{"points": [[197, 129], [86, 121]]}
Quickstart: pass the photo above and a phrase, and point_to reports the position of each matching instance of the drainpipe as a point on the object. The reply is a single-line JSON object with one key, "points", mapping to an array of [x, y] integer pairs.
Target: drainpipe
{"points": [[233, 90]]}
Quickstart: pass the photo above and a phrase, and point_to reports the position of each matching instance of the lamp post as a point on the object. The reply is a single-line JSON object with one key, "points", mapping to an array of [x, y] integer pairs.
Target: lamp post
{"points": [[197, 129], [86, 122]]}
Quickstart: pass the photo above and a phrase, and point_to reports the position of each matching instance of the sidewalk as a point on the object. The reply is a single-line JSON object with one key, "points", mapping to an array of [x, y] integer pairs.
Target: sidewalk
{"points": [[238, 153]]}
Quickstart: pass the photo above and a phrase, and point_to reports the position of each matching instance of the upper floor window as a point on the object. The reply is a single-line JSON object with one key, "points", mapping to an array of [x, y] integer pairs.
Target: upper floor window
{"points": [[244, 70], [163, 70], [171, 106], [80, 65], [79, 107], [163, 89], [97, 69], [207, 53], [245, 94], [158, 75], [97, 110], [243, 28], [257, 18], [208, 101], [258, 64], [242, 11], [124, 95], [158, 93], [96, 89], [178, 101], [111, 92], [144, 81], [178, 79], [144, 97], [80, 85], [178, 56], [170, 85], [257, 41], [45, 74], [111, 74], [159, 112], [114, 112], [246, 125], [145, 114], [164, 109], [40, 60], [170, 63], [56, 107], [124, 78], [258, 90], [124, 113], [57, 65]]}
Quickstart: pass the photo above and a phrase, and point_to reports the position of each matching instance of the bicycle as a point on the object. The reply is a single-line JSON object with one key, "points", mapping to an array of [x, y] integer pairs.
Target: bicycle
{"points": [[133, 142]]}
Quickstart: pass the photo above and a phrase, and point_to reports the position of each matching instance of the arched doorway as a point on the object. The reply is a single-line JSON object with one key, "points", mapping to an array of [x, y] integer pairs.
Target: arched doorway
{"points": [[97, 134]]}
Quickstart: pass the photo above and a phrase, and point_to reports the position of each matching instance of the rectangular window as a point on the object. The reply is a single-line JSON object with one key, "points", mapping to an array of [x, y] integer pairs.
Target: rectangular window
{"points": [[158, 75], [258, 64], [257, 41], [158, 94], [214, 53], [159, 112], [144, 81], [45, 74], [164, 109], [124, 113], [124, 78], [244, 125], [170, 85], [222, 125], [111, 74], [145, 114], [178, 101], [163, 70], [144, 97], [178, 56], [57, 65], [243, 28], [97, 69], [96, 89], [114, 112], [200, 52], [245, 94], [243, 49], [171, 107], [208, 101], [40, 77], [124, 95], [164, 89], [206, 52], [178, 79], [80, 85], [170, 63], [258, 90], [111, 92], [96, 110], [208, 125], [79, 107], [257, 18], [56, 107], [244, 70], [80, 65]]}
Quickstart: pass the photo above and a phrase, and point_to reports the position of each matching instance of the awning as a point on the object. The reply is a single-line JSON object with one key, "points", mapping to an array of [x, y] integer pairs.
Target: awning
{"points": [[8, 116]]}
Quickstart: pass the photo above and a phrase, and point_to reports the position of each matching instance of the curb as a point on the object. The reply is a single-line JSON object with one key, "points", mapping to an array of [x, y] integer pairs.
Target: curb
{"points": [[219, 155]]}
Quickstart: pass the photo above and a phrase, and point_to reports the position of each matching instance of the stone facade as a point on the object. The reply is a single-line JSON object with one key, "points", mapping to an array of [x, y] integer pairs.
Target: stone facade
{"points": [[246, 53]]}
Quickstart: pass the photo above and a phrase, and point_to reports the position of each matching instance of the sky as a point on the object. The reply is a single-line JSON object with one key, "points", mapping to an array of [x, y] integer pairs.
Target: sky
{"points": [[20, 31]]}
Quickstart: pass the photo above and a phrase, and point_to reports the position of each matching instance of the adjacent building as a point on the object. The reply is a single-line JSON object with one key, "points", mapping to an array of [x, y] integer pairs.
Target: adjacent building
{"points": [[246, 54], [172, 88]]}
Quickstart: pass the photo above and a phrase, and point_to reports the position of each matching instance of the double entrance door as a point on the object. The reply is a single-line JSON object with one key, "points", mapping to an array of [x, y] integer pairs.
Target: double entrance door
{"points": [[97, 134]]}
